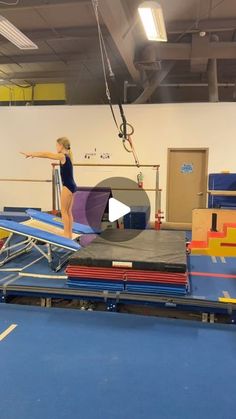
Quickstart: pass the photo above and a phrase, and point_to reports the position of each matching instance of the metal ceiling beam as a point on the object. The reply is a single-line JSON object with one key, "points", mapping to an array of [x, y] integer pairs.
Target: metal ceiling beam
{"points": [[60, 34], [207, 25], [115, 19], [183, 51], [154, 82], [199, 58], [30, 4], [41, 75], [43, 58], [182, 85], [66, 58]]}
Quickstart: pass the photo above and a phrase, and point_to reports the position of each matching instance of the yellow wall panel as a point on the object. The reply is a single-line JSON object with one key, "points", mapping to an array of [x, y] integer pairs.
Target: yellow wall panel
{"points": [[15, 93], [53, 91], [42, 92]]}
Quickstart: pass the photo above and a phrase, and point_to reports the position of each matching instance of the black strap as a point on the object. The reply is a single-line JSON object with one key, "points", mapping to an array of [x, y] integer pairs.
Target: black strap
{"points": [[113, 115], [123, 133]]}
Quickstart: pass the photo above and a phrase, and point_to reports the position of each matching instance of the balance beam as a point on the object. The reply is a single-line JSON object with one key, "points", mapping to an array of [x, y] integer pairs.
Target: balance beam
{"points": [[53, 242]]}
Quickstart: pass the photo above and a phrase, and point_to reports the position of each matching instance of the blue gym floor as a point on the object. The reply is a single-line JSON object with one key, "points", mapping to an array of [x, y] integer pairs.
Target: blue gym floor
{"points": [[60, 364]]}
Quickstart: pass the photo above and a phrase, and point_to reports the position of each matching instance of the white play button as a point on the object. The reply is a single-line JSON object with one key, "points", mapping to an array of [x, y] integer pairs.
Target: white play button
{"points": [[117, 209]]}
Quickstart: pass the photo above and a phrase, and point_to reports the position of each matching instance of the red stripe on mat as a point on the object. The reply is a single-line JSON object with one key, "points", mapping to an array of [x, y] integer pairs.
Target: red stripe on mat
{"points": [[210, 274]]}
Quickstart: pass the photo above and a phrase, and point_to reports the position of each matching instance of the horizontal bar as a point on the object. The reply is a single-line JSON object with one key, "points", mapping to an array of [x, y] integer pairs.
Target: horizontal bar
{"points": [[134, 189], [222, 193], [111, 165], [27, 180]]}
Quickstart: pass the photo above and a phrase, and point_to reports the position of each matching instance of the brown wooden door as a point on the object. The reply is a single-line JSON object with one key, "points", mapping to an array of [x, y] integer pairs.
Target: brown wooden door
{"points": [[187, 183]]}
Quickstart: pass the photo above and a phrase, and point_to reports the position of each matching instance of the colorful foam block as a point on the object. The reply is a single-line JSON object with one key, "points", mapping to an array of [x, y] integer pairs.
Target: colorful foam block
{"points": [[217, 243]]}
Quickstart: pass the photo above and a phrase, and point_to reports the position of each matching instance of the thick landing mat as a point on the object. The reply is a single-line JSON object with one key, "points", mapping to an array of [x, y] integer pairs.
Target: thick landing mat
{"points": [[85, 362], [154, 250]]}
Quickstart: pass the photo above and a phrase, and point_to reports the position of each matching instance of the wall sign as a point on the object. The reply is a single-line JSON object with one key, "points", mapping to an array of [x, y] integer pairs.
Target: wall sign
{"points": [[90, 155], [187, 168], [105, 156]]}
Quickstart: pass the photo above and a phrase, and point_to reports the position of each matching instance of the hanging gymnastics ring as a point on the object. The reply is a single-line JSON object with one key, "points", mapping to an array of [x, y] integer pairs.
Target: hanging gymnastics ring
{"points": [[128, 145], [122, 129]]}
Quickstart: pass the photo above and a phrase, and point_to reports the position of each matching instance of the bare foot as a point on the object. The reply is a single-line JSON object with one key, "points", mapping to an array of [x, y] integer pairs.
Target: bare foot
{"points": [[68, 236]]}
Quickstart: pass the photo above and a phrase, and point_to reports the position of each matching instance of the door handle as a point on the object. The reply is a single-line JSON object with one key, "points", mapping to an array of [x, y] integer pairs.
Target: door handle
{"points": [[199, 193]]}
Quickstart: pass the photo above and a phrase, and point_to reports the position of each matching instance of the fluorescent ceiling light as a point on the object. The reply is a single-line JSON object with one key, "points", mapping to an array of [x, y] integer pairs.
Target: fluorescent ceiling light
{"points": [[14, 35], [153, 21]]}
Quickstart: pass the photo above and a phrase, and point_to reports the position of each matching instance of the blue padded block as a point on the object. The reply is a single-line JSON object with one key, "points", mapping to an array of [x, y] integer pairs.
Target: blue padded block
{"points": [[137, 218], [222, 182], [96, 285], [19, 217], [57, 222], [18, 209], [155, 290], [27, 231]]}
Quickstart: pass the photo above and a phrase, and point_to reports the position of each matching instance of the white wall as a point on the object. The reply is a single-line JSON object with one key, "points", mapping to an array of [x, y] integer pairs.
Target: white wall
{"points": [[157, 127]]}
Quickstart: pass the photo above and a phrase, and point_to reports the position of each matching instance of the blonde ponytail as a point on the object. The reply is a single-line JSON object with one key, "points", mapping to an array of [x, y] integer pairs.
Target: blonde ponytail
{"points": [[66, 144], [70, 155]]}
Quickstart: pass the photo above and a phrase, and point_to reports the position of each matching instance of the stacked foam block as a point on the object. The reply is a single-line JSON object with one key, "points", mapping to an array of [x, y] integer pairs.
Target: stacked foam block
{"points": [[127, 280], [149, 262]]}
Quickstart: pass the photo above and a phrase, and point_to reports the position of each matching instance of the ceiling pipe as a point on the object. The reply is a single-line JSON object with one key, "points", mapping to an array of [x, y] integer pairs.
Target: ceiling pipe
{"points": [[128, 85], [196, 85], [213, 76]]}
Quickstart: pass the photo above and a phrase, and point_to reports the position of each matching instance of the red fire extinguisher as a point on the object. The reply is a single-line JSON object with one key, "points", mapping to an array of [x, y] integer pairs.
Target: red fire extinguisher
{"points": [[140, 179]]}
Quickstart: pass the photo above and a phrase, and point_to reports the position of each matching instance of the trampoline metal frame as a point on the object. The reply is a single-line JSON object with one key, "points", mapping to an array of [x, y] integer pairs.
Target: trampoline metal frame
{"points": [[55, 261]]}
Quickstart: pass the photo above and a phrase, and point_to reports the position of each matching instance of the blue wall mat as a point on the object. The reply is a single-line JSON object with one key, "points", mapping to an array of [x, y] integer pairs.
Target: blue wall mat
{"points": [[222, 182]]}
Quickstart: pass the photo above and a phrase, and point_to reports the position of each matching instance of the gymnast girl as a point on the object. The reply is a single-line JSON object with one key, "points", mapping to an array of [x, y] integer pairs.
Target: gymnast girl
{"points": [[64, 156]]}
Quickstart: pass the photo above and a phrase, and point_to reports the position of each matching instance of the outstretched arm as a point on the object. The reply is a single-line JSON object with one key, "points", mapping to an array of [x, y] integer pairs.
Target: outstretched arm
{"points": [[45, 155]]}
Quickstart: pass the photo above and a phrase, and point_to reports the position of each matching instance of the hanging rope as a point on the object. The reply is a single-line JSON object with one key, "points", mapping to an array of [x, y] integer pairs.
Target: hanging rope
{"points": [[125, 130]]}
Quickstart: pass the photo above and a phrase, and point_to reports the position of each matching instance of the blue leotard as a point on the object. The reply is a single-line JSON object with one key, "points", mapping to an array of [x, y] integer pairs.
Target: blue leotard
{"points": [[67, 176]]}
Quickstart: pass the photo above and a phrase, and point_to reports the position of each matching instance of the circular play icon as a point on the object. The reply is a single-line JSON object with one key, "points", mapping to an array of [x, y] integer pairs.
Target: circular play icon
{"points": [[119, 207]]}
